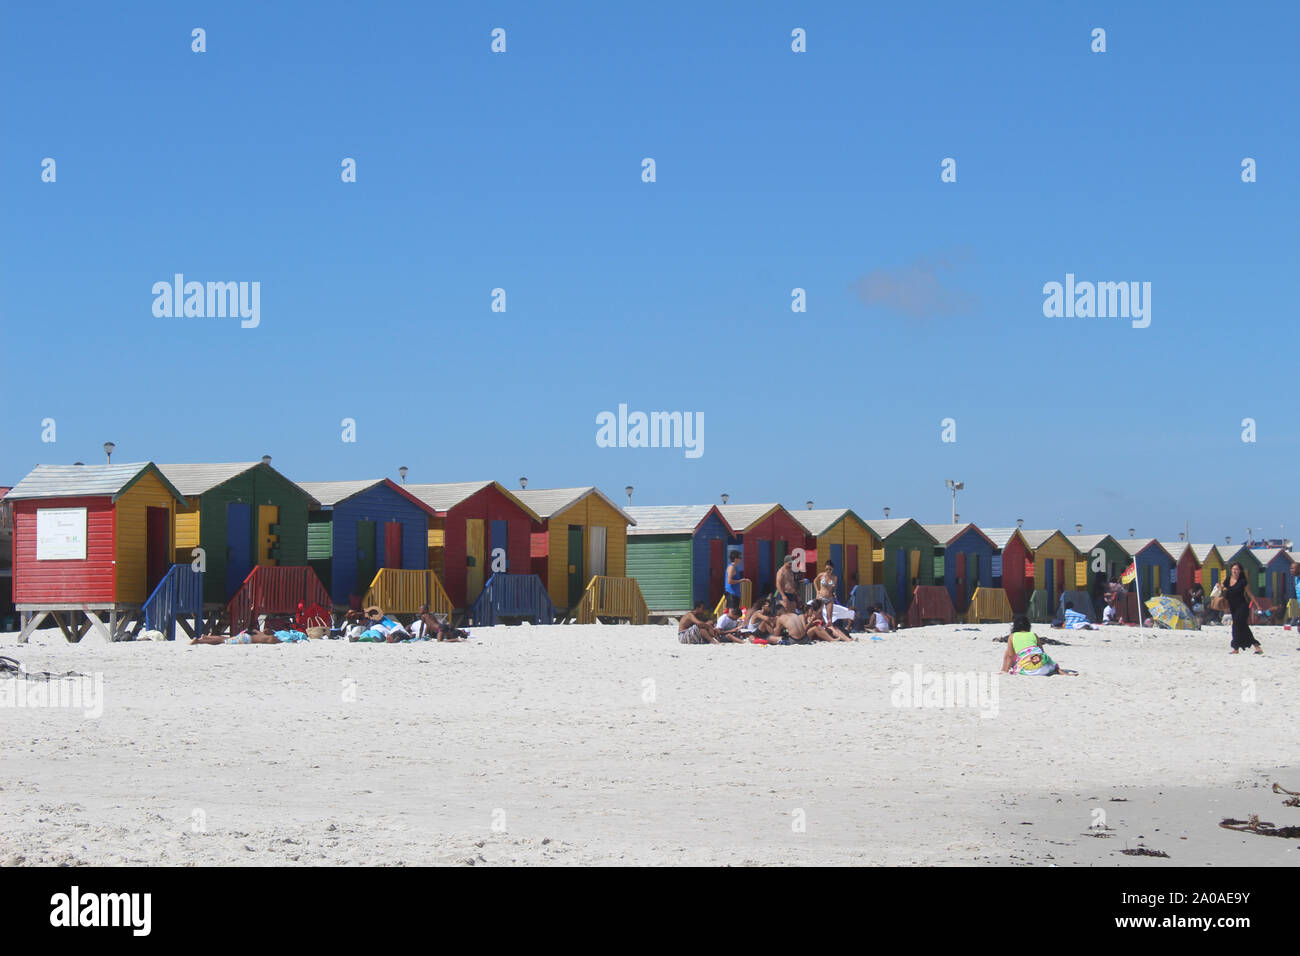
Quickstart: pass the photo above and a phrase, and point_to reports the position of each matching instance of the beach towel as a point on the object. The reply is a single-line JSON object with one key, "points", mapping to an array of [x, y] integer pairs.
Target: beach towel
{"points": [[1033, 662]]}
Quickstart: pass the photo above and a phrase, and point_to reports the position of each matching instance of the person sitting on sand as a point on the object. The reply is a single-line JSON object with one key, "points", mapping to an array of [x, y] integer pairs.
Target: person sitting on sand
{"points": [[760, 621], [729, 621], [1024, 655], [816, 628], [695, 626], [879, 621]]}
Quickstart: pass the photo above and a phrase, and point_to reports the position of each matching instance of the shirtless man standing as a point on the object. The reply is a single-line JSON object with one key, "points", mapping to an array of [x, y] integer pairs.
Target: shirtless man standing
{"points": [[786, 585]]}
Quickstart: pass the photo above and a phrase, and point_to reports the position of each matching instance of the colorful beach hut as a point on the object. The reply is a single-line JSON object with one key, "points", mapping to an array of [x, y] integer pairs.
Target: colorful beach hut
{"points": [[766, 533], [907, 558], [678, 554], [1275, 567], [579, 534], [478, 529], [1249, 563], [1209, 566], [1185, 566], [967, 560], [243, 515], [1101, 560], [1011, 570], [6, 562], [1055, 562], [90, 541], [360, 527], [1155, 567], [840, 536]]}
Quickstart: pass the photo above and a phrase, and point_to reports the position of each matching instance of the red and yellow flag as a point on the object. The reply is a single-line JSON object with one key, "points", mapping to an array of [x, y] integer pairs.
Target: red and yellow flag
{"points": [[1129, 573]]}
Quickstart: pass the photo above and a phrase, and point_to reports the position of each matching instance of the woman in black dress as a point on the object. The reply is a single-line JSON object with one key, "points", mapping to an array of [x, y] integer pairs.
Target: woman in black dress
{"points": [[1237, 591]]}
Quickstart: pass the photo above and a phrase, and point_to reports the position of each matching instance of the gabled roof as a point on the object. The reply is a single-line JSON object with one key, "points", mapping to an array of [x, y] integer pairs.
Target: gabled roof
{"points": [[817, 521], [1266, 556], [671, 519], [1001, 537], [1175, 548], [1202, 552], [882, 528], [443, 497], [741, 517], [1135, 546], [946, 534], [1040, 536], [86, 481], [195, 479], [1084, 543], [331, 493], [1230, 551], [551, 501]]}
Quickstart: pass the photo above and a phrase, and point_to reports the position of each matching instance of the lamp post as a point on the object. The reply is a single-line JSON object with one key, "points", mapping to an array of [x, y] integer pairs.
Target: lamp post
{"points": [[809, 503], [725, 497], [1078, 529], [523, 483], [629, 489], [402, 471], [266, 459], [108, 451], [886, 512], [1132, 532], [954, 487], [1020, 522]]}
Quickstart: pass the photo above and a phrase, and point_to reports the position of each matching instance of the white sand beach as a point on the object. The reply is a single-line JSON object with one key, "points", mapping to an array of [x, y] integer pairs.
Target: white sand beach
{"points": [[618, 745]]}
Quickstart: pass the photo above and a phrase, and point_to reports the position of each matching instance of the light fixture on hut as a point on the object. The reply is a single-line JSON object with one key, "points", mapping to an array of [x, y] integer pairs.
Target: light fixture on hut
{"points": [[1182, 536], [1020, 522], [1227, 539], [725, 497], [1132, 532], [886, 511], [956, 518], [629, 489], [266, 459], [81, 463], [108, 451], [809, 503], [403, 471], [523, 483], [1078, 529]]}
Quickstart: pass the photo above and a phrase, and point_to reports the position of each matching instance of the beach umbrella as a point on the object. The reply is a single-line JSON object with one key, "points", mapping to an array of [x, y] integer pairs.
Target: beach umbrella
{"points": [[1172, 613]]}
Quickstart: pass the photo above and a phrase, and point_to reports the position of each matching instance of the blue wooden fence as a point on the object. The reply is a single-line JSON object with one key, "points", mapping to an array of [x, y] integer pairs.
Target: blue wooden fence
{"points": [[512, 595], [178, 594]]}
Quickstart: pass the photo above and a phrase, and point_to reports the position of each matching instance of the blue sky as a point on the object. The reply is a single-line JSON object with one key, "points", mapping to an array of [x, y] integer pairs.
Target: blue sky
{"points": [[775, 170]]}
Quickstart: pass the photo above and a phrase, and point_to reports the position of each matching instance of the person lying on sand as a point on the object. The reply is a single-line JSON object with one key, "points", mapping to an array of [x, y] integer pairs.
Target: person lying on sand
{"points": [[1025, 655], [1075, 621], [251, 636], [427, 627]]}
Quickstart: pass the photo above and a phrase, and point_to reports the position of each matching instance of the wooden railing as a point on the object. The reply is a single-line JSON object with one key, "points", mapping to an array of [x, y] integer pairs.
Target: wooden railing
{"points": [[988, 605], [274, 590], [402, 591], [178, 595], [512, 595], [746, 596], [613, 597]]}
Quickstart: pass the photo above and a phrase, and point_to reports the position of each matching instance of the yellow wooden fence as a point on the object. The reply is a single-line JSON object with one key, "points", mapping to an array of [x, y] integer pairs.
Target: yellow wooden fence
{"points": [[988, 604], [400, 591], [613, 597], [746, 595]]}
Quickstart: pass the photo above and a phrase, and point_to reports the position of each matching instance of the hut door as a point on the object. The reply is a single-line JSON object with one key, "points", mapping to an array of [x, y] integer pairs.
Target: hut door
{"points": [[850, 567], [972, 576], [392, 544], [156, 551], [717, 568], [576, 583], [267, 516], [902, 594], [959, 581], [596, 544], [764, 581], [500, 556], [474, 559], [366, 562], [837, 556], [239, 544]]}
